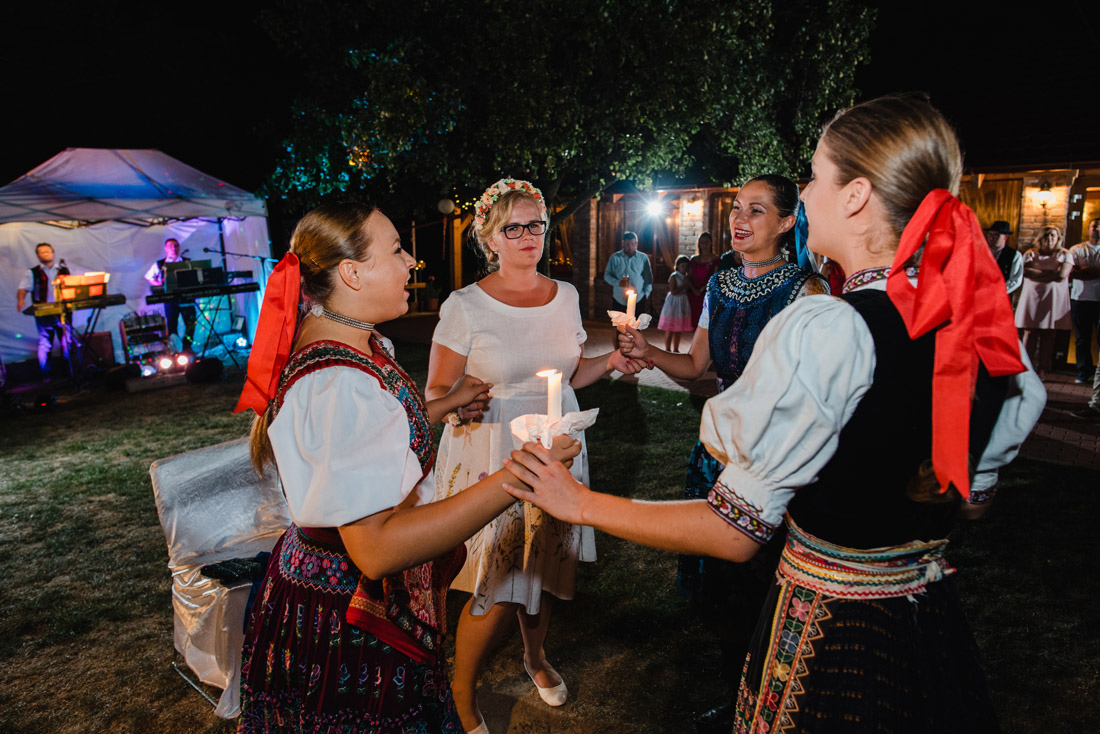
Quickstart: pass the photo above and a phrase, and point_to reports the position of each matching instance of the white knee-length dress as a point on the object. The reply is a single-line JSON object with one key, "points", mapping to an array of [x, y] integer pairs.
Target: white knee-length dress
{"points": [[523, 551]]}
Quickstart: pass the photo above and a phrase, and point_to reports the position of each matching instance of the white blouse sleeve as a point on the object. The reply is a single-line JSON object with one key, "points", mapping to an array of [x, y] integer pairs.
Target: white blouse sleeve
{"points": [[574, 305], [341, 443], [778, 425], [453, 330], [1019, 414]]}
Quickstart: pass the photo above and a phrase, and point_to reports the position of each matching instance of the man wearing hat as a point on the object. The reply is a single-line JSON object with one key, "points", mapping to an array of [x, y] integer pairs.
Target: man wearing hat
{"points": [[1084, 304], [1008, 259]]}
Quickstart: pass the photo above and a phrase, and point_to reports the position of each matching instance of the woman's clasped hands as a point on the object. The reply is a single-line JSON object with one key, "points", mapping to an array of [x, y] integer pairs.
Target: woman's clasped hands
{"points": [[472, 396], [553, 487], [617, 360], [633, 346]]}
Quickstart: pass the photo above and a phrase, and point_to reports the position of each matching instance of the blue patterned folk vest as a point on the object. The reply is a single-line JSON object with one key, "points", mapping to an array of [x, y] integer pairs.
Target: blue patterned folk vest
{"points": [[740, 308]]}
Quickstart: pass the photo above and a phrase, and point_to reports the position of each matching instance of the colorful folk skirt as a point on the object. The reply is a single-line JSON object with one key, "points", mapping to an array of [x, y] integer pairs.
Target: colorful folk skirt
{"points": [[863, 641], [305, 669]]}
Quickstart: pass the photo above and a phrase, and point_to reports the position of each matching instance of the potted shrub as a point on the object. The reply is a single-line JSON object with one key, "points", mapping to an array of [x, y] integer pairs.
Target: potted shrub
{"points": [[430, 292]]}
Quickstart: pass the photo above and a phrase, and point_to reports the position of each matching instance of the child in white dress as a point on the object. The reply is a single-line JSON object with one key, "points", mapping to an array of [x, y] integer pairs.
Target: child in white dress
{"points": [[676, 313]]}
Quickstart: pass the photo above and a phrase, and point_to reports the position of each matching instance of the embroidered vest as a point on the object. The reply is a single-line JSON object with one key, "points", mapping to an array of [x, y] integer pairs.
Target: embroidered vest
{"points": [[1004, 261], [407, 610], [859, 499], [740, 308], [40, 283]]}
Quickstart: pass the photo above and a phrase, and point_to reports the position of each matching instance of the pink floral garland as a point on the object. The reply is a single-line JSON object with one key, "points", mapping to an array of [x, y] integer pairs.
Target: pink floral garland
{"points": [[499, 189]]}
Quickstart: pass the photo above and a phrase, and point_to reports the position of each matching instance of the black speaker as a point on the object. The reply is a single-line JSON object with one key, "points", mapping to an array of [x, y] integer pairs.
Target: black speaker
{"points": [[116, 377], [207, 369]]}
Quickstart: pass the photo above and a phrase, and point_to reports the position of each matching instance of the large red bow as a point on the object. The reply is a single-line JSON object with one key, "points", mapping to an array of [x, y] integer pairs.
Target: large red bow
{"points": [[960, 289], [274, 336]]}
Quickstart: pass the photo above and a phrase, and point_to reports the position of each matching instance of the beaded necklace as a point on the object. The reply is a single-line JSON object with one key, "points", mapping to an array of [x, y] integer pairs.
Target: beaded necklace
{"points": [[322, 312], [870, 275]]}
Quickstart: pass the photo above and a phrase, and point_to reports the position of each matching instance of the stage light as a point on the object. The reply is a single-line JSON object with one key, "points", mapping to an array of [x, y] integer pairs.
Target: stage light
{"points": [[183, 360], [165, 363], [148, 370], [653, 208]]}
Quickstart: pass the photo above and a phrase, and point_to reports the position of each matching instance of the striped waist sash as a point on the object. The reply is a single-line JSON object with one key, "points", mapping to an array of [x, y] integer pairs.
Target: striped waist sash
{"points": [[851, 573]]}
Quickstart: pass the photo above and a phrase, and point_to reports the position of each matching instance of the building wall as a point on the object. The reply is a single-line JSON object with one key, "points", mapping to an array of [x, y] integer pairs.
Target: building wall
{"points": [[692, 221], [584, 257], [1034, 215]]}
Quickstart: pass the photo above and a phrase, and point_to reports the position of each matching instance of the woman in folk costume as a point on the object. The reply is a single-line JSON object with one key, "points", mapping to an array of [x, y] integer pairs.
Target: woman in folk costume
{"points": [[738, 304], [345, 634], [866, 422], [505, 328]]}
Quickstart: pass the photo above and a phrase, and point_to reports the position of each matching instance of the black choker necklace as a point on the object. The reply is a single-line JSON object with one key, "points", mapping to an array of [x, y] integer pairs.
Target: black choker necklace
{"points": [[762, 263], [320, 311]]}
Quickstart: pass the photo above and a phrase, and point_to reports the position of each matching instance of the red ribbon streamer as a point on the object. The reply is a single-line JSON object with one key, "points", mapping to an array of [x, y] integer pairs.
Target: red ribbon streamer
{"points": [[959, 290], [274, 336]]}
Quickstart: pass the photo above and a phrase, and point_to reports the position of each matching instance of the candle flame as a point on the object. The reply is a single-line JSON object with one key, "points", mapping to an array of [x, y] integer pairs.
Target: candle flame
{"points": [[546, 373]]}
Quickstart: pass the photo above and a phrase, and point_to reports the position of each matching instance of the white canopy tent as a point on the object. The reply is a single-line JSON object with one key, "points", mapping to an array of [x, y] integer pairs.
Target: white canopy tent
{"points": [[111, 210]]}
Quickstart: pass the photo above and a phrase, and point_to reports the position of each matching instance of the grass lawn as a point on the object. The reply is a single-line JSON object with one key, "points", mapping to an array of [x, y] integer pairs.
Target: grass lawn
{"points": [[86, 620]]}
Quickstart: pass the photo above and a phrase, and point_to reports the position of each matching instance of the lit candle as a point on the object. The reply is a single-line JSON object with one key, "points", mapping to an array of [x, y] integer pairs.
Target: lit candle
{"points": [[553, 395], [631, 300]]}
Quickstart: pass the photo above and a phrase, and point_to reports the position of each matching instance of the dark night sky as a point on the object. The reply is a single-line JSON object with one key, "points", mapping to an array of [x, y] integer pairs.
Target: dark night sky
{"points": [[203, 83]]}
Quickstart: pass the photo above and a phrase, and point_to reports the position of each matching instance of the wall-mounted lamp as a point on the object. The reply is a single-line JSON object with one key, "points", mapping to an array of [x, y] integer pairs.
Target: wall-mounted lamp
{"points": [[1044, 195], [693, 208]]}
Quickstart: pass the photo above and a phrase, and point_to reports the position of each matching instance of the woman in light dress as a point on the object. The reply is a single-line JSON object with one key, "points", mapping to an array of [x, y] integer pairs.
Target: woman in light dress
{"points": [[509, 325], [1044, 298]]}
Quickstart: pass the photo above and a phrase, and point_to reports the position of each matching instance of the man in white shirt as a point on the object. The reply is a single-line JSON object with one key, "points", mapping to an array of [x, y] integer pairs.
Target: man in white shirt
{"points": [[1084, 297], [172, 311], [1008, 258], [627, 269], [38, 282]]}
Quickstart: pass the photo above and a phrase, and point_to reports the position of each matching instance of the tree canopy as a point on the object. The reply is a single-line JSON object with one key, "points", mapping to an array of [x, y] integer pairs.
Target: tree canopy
{"points": [[445, 98]]}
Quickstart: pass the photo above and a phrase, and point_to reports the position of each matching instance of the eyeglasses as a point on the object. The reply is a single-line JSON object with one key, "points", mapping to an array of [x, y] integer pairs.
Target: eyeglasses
{"points": [[515, 231]]}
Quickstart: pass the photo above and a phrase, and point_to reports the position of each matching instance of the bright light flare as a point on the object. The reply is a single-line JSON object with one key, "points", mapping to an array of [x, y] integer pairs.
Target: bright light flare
{"points": [[183, 360], [165, 363], [148, 370], [653, 208]]}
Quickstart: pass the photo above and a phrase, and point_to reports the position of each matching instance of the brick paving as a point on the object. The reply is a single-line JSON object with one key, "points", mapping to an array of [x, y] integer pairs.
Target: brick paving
{"points": [[1059, 437]]}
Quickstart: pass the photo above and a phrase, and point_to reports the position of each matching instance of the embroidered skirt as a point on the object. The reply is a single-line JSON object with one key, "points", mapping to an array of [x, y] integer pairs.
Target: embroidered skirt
{"points": [[304, 669], [862, 641]]}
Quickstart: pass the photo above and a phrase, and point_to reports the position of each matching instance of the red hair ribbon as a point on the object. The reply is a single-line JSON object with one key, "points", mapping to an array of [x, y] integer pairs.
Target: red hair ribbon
{"points": [[959, 290], [274, 336]]}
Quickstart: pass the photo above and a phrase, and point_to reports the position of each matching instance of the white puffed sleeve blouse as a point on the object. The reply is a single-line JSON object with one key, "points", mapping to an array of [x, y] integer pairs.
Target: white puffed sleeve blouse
{"points": [[778, 425], [341, 443]]}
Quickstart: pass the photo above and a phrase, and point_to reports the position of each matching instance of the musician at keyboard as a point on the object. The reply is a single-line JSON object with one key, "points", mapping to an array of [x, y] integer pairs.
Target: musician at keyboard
{"points": [[155, 276], [38, 282]]}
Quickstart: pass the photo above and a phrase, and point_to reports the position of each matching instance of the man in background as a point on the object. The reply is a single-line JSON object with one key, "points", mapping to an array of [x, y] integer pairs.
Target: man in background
{"points": [[629, 269], [1084, 304], [38, 282], [1008, 258], [172, 311]]}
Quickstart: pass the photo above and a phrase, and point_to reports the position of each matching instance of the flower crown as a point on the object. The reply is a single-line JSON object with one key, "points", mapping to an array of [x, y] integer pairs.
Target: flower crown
{"points": [[499, 189]]}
